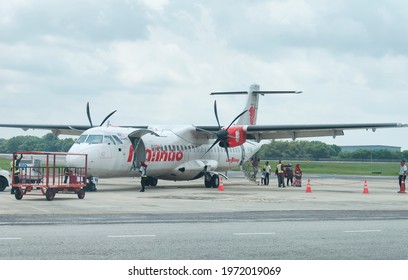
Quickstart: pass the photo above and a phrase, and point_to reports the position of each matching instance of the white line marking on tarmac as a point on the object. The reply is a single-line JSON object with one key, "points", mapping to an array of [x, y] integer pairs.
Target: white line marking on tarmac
{"points": [[254, 233], [10, 238], [362, 231], [131, 236]]}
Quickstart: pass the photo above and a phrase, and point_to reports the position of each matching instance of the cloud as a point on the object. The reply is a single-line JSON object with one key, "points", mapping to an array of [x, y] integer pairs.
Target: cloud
{"points": [[157, 61], [157, 6], [95, 21]]}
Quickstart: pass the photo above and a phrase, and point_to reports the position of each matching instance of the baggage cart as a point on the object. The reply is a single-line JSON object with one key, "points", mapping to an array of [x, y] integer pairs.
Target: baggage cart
{"points": [[50, 176]]}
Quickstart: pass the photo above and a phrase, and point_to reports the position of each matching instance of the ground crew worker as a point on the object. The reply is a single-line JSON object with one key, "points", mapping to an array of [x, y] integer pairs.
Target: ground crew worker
{"points": [[14, 165], [267, 173], [402, 174], [143, 171], [67, 172], [281, 175]]}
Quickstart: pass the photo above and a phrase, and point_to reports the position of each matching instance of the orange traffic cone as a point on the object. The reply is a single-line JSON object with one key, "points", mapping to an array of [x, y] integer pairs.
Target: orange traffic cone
{"points": [[221, 185], [402, 187], [365, 187], [308, 188]]}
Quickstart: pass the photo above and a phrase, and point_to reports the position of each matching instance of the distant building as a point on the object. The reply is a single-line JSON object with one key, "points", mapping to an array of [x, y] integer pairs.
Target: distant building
{"points": [[370, 148]]}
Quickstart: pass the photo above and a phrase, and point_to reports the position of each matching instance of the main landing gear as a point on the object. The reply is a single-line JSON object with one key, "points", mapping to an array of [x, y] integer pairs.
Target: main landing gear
{"points": [[211, 180], [151, 181]]}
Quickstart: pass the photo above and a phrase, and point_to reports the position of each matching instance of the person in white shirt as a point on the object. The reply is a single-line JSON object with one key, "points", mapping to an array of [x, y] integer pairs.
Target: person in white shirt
{"points": [[143, 171], [402, 173]]}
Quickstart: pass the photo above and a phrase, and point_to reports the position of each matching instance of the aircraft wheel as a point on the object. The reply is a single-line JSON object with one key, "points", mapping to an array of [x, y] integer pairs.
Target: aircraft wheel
{"points": [[50, 194], [3, 183], [153, 181], [215, 181], [81, 194], [207, 181], [18, 194], [91, 187]]}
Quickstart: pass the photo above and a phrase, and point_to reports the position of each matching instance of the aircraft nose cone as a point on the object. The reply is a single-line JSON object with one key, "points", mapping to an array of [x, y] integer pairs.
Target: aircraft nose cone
{"points": [[76, 160]]}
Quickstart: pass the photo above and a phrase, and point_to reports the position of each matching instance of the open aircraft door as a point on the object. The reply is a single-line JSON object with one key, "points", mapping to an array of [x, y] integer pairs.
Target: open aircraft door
{"points": [[139, 149]]}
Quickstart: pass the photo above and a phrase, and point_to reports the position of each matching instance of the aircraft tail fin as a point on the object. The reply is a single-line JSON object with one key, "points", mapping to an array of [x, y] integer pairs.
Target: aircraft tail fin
{"points": [[252, 102]]}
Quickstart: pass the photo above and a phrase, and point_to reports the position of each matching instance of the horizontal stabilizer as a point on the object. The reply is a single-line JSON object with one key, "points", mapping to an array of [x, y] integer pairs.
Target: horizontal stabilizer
{"points": [[256, 92], [277, 92], [229, 92]]}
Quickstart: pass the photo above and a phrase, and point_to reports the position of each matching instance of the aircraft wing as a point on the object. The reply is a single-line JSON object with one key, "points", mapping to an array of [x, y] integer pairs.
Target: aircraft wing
{"points": [[56, 129], [270, 132], [59, 129], [257, 132]]}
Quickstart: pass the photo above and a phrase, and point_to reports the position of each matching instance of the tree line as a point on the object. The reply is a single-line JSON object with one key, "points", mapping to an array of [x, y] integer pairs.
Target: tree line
{"points": [[315, 150], [46, 143], [310, 150]]}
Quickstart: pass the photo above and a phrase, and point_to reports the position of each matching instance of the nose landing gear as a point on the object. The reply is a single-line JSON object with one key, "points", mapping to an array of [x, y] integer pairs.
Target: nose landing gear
{"points": [[91, 184]]}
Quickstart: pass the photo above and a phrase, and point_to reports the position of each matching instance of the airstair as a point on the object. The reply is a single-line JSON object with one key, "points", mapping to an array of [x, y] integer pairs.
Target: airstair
{"points": [[251, 172]]}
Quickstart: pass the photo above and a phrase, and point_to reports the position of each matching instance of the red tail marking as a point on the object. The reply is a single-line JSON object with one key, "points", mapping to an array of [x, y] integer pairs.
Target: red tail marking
{"points": [[252, 115]]}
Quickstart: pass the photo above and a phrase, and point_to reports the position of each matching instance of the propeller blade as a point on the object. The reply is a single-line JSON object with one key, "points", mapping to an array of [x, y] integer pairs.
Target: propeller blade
{"points": [[215, 143], [237, 117], [226, 150], [107, 117], [222, 134], [216, 114], [88, 112]]}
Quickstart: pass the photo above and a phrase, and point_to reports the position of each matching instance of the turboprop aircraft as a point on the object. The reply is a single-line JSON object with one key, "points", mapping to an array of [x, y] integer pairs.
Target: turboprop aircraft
{"points": [[184, 152]]}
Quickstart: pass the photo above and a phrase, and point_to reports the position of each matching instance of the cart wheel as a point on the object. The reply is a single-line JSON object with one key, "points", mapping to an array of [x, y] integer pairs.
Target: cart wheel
{"points": [[18, 194], [81, 194], [50, 194]]}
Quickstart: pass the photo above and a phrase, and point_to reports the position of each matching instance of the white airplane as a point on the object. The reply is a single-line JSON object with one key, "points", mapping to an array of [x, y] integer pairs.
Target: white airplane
{"points": [[184, 152]]}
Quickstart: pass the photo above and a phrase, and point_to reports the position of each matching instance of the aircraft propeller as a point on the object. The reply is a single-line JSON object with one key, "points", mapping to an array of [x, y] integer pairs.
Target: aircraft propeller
{"points": [[222, 134], [88, 113]]}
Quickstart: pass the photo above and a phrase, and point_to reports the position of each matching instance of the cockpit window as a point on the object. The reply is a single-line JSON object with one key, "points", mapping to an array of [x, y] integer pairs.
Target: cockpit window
{"points": [[81, 139], [117, 139], [94, 139], [108, 139]]}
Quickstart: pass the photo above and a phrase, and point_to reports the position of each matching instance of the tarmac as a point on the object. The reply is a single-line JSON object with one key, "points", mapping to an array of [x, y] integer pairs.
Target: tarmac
{"points": [[122, 196]]}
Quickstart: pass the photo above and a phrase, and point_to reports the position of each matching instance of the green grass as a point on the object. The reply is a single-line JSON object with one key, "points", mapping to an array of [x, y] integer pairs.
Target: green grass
{"points": [[320, 167], [344, 168], [350, 168], [5, 164]]}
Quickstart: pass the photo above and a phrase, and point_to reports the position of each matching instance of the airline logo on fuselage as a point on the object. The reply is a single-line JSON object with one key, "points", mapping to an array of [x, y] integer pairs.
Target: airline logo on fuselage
{"points": [[232, 160], [158, 155]]}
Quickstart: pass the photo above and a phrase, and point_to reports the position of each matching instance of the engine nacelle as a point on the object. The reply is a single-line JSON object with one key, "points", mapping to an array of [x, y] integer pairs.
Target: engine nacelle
{"points": [[237, 135]]}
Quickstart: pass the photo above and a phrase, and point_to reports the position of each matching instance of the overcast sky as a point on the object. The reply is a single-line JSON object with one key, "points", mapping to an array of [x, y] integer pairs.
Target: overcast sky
{"points": [[156, 62]]}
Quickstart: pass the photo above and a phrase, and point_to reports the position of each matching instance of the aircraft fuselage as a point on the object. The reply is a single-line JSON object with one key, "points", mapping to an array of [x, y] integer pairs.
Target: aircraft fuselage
{"points": [[171, 154]]}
